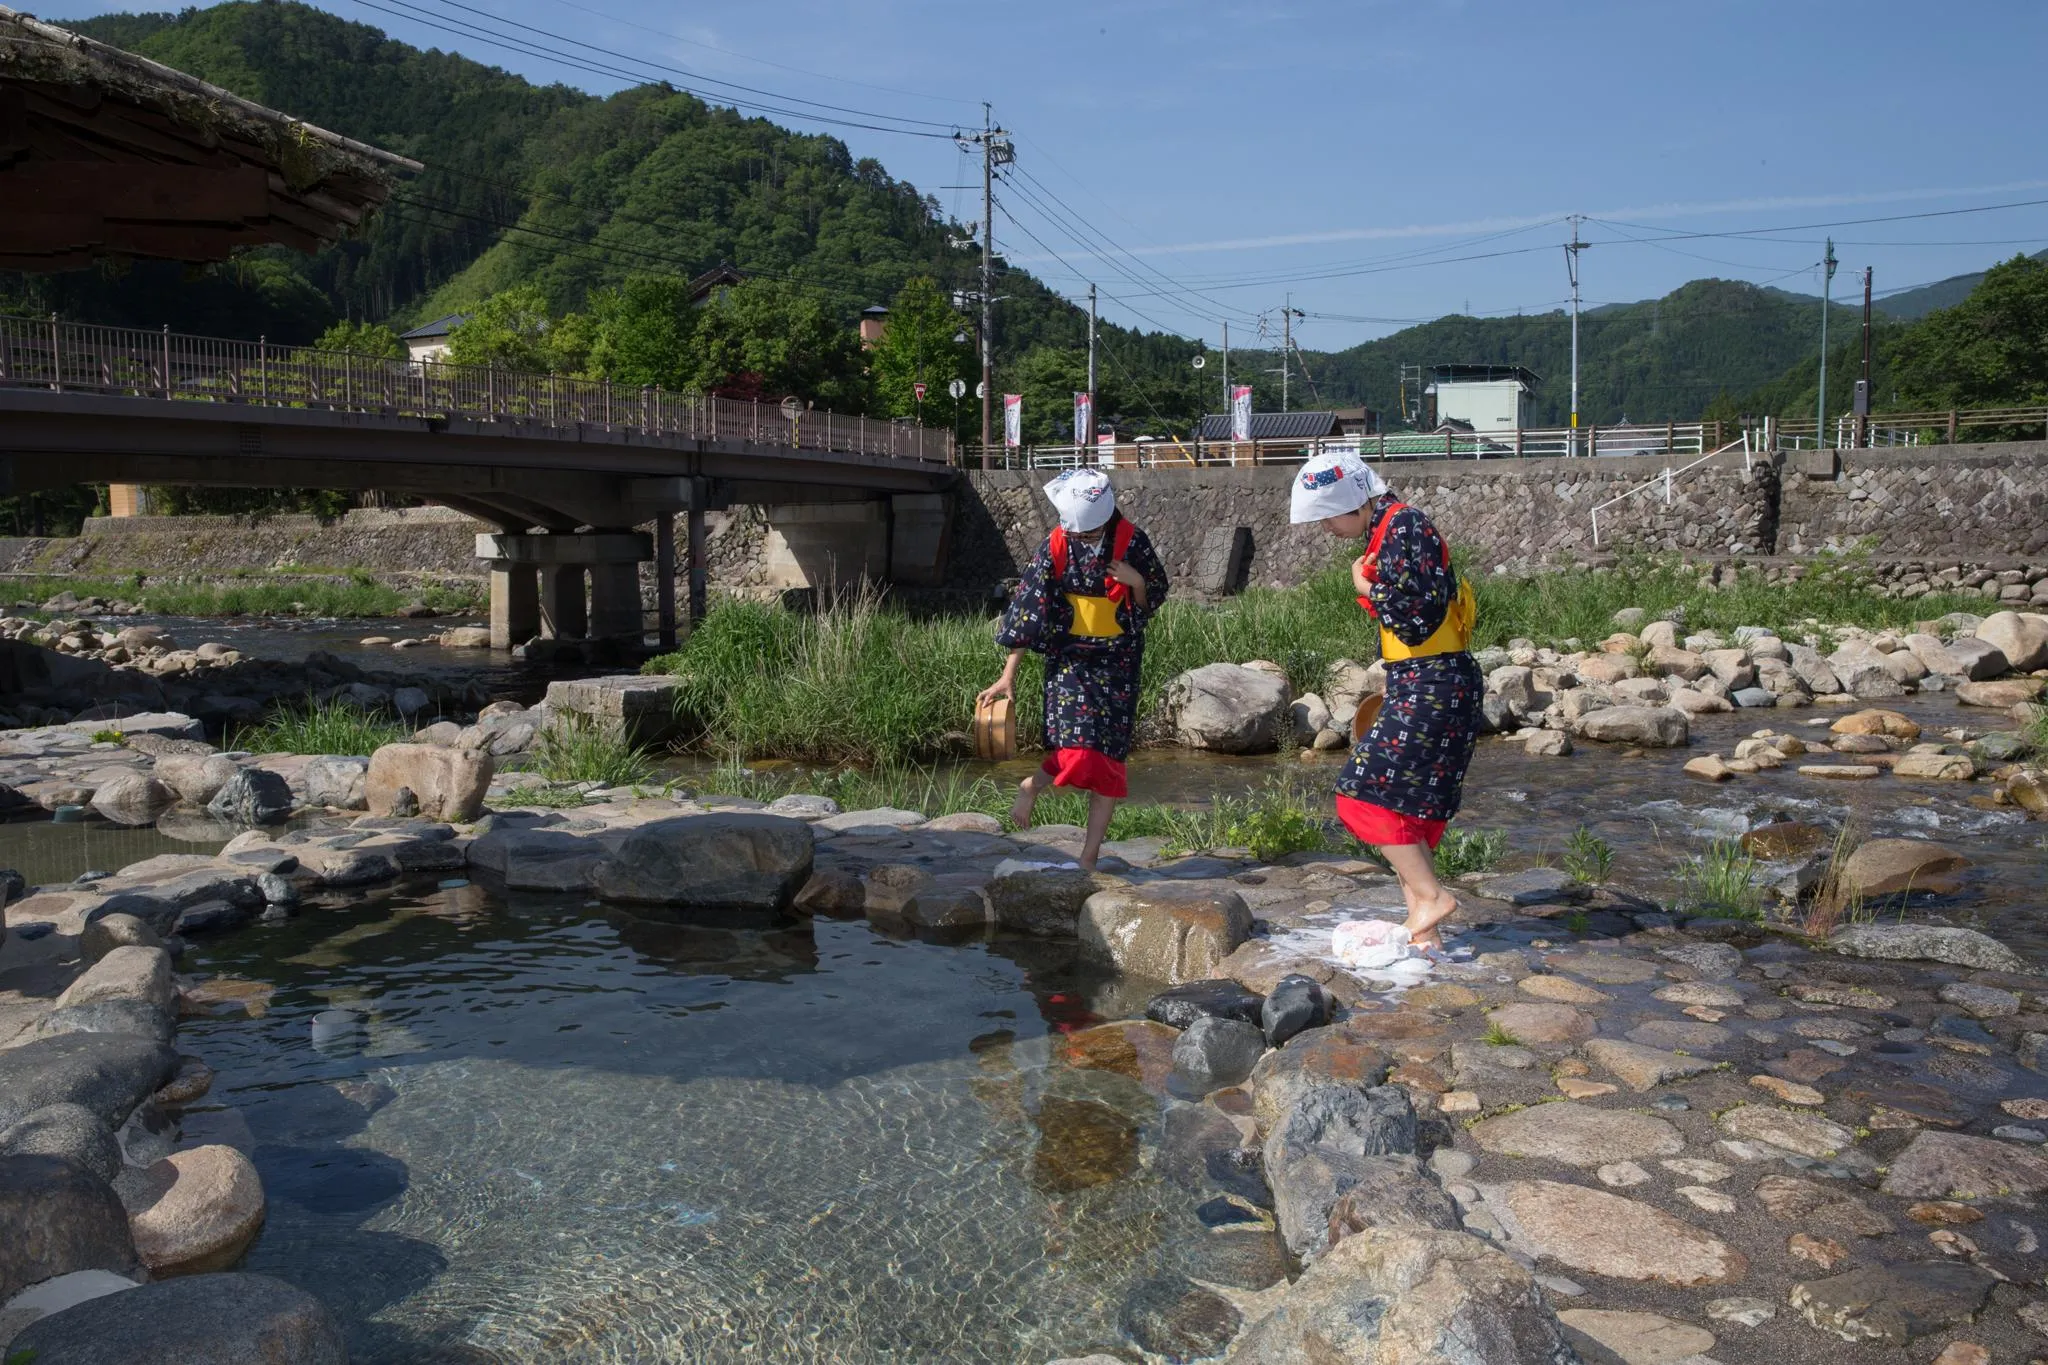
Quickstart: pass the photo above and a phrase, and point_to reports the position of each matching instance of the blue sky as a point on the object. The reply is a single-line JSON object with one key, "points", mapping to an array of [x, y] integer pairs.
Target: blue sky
{"points": [[1201, 160]]}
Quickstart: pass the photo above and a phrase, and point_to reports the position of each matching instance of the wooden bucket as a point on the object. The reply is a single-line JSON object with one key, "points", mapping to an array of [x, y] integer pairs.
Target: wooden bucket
{"points": [[995, 731], [1368, 712]]}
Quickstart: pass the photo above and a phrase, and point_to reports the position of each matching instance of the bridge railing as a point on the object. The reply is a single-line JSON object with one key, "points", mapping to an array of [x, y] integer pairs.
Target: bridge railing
{"points": [[1669, 438], [46, 353]]}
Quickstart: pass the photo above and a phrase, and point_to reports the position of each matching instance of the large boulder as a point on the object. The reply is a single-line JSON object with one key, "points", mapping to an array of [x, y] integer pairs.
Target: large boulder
{"points": [[739, 860], [196, 778], [1044, 902], [1963, 657], [59, 1218], [192, 1320], [337, 780], [1926, 943], [446, 784], [132, 798], [1886, 867], [2022, 637], [130, 972], [1656, 727], [642, 706], [107, 1073], [68, 1130], [1319, 1148], [1813, 669], [253, 796], [1229, 709], [1214, 1052], [1168, 931], [194, 1211], [1408, 1294]]}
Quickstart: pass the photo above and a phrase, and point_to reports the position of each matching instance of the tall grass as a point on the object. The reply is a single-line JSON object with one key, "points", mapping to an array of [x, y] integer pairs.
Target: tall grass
{"points": [[320, 727], [356, 595], [572, 748], [1721, 883], [1466, 851], [1588, 858]]}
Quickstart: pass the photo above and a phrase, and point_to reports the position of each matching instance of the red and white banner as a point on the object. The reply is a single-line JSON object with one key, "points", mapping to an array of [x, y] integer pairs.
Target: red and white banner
{"points": [[1241, 412], [1013, 420], [1084, 417]]}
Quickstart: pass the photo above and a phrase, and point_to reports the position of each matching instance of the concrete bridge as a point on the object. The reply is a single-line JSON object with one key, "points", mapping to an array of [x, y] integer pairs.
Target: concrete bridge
{"points": [[566, 469]]}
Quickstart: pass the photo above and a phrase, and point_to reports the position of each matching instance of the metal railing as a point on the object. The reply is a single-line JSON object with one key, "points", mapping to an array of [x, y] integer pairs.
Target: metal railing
{"points": [[1942, 426], [1668, 479], [1670, 438], [70, 357]]}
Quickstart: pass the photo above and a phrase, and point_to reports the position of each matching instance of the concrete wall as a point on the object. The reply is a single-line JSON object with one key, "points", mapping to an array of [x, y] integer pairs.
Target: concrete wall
{"points": [[1945, 502]]}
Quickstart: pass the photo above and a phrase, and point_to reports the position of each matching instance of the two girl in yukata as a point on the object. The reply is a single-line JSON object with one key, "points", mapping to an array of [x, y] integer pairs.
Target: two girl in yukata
{"points": [[1087, 594]]}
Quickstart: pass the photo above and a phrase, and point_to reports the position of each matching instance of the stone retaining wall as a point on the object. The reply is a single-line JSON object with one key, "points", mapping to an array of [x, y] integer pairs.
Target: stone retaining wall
{"points": [[414, 541], [1936, 502]]}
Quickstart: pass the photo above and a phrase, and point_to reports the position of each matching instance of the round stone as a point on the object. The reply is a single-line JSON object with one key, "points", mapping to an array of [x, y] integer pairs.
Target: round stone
{"points": [[1578, 1134]]}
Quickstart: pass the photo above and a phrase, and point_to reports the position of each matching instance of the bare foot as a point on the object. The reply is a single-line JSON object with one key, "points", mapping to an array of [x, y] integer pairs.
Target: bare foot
{"points": [[1020, 810], [1426, 915]]}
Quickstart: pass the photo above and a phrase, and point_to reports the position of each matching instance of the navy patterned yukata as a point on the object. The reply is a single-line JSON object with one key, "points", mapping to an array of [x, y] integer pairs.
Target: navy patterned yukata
{"points": [[1412, 762], [1091, 685]]}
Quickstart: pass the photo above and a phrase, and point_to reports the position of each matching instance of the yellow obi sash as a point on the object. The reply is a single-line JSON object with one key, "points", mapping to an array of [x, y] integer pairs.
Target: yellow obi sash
{"points": [[1094, 617], [1452, 637]]}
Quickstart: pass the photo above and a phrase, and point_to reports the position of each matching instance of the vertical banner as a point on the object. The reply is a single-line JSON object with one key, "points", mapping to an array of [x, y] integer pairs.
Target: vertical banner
{"points": [[1084, 418], [1241, 412], [1013, 420]]}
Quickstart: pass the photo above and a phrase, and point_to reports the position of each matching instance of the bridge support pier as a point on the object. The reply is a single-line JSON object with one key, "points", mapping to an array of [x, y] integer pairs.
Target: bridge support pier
{"points": [[563, 615], [609, 559], [515, 604]]}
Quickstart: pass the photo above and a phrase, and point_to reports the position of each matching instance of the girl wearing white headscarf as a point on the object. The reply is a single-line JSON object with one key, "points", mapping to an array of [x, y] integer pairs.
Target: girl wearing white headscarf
{"points": [[1405, 777], [1083, 602]]}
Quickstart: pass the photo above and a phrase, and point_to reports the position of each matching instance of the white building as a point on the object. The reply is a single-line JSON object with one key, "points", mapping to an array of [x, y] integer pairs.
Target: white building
{"points": [[429, 343], [1485, 397]]}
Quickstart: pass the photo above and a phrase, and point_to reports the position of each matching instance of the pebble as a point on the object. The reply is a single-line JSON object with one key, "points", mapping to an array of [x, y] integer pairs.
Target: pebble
{"points": [[1746, 1312], [1671, 1104], [1824, 1252], [1834, 1048], [1621, 1175], [2026, 1108], [2014, 1132], [1693, 1168], [1789, 1092], [1712, 1200]]}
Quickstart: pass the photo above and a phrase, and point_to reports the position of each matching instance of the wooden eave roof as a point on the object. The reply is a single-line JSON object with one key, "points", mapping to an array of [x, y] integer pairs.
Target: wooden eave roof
{"points": [[104, 153]]}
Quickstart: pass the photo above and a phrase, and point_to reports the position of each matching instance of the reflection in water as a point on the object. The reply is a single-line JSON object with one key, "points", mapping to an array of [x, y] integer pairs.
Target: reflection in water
{"points": [[609, 1138]]}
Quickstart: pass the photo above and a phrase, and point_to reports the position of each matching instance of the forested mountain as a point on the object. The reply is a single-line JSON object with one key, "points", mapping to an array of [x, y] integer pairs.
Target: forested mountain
{"points": [[1918, 303]]}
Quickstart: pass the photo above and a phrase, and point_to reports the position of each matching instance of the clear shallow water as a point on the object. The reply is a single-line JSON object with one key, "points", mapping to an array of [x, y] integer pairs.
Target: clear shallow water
{"points": [[573, 1135]]}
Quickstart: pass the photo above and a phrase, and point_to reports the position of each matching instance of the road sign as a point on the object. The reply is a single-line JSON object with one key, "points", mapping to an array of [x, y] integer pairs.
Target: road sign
{"points": [[958, 388], [792, 407], [918, 389], [981, 390]]}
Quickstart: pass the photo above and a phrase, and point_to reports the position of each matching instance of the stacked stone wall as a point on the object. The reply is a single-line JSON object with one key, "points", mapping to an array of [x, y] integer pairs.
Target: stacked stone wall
{"points": [[1955, 503]]}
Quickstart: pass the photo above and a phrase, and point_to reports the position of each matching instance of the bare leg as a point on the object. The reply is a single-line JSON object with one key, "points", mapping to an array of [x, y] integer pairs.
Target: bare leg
{"points": [[1100, 809], [1027, 797], [1428, 900]]}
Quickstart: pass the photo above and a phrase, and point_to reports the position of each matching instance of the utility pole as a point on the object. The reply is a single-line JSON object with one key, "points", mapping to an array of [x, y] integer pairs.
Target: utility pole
{"points": [[1226, 367], [1863, 397], [1571, 260], [1091, 343], [988, 275], [1827, 289]]}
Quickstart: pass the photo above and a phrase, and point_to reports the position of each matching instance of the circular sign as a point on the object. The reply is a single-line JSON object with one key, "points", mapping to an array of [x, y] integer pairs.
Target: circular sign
{"points": [[792, 407], [981, 390], [1199, 361], [958, 388]]}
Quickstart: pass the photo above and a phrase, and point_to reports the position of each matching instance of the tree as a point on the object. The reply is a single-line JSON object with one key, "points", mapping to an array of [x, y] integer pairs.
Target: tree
{"points": [[513, 331], [919, 345], [1048, 377], [362, 338], [770, 339], [642, 332], [1990, 350]]}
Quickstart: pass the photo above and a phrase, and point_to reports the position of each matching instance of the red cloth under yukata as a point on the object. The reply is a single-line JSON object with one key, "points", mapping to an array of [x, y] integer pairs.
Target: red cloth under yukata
{"points": [[1405, 778], [1091, 685]]}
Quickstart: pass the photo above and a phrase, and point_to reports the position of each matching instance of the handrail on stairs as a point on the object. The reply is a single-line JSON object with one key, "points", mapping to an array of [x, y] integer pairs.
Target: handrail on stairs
{"points": [[1665, 480]]}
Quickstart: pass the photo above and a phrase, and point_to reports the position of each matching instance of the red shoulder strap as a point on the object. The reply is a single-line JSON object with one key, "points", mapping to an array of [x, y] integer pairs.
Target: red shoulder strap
{"points": [[1058, 545], [1379, 534], [1119, 546]]}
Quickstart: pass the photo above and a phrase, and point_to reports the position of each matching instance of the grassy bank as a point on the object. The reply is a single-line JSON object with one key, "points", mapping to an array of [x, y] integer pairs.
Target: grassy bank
{"points": [[863, 683], [276, 593]]}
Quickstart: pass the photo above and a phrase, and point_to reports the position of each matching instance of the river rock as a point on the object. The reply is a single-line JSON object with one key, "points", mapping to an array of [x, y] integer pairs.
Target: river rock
{"points": [[253, 796], [1540, 1024], [59, 1218], [1936, 767], [1317, 1058], [1963, 657], [1638, 1338], [1641, 1067], [2000, 694], [196, 778], [1321, 1148], [193, 1320], [1805, 1134], [1170, 1316], [337, 780], [125, 973], [2022, 637], [1166, 931], [1041, 901], [1578, 1134], [1295, 1003], [746, 860], [1956, 1166], [1212, 1053], [1229, 709], [54, 1296], [1654, 727], [66, 1130], [1884, 867], [446, 784], [194, 1211], [1390, 1192], [1894, 1304], [105, 933], [1535, 886], [132, 798], [1926, 943], [1979, 1002], [1219, 998], [107, 1073], [1607, 1234]]}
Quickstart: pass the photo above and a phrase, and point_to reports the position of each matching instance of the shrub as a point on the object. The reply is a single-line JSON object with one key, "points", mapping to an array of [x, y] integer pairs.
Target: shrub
{"points": [[1467, 851], [1721, 882], [573, 748], [321, 727], [1587, 857]]}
